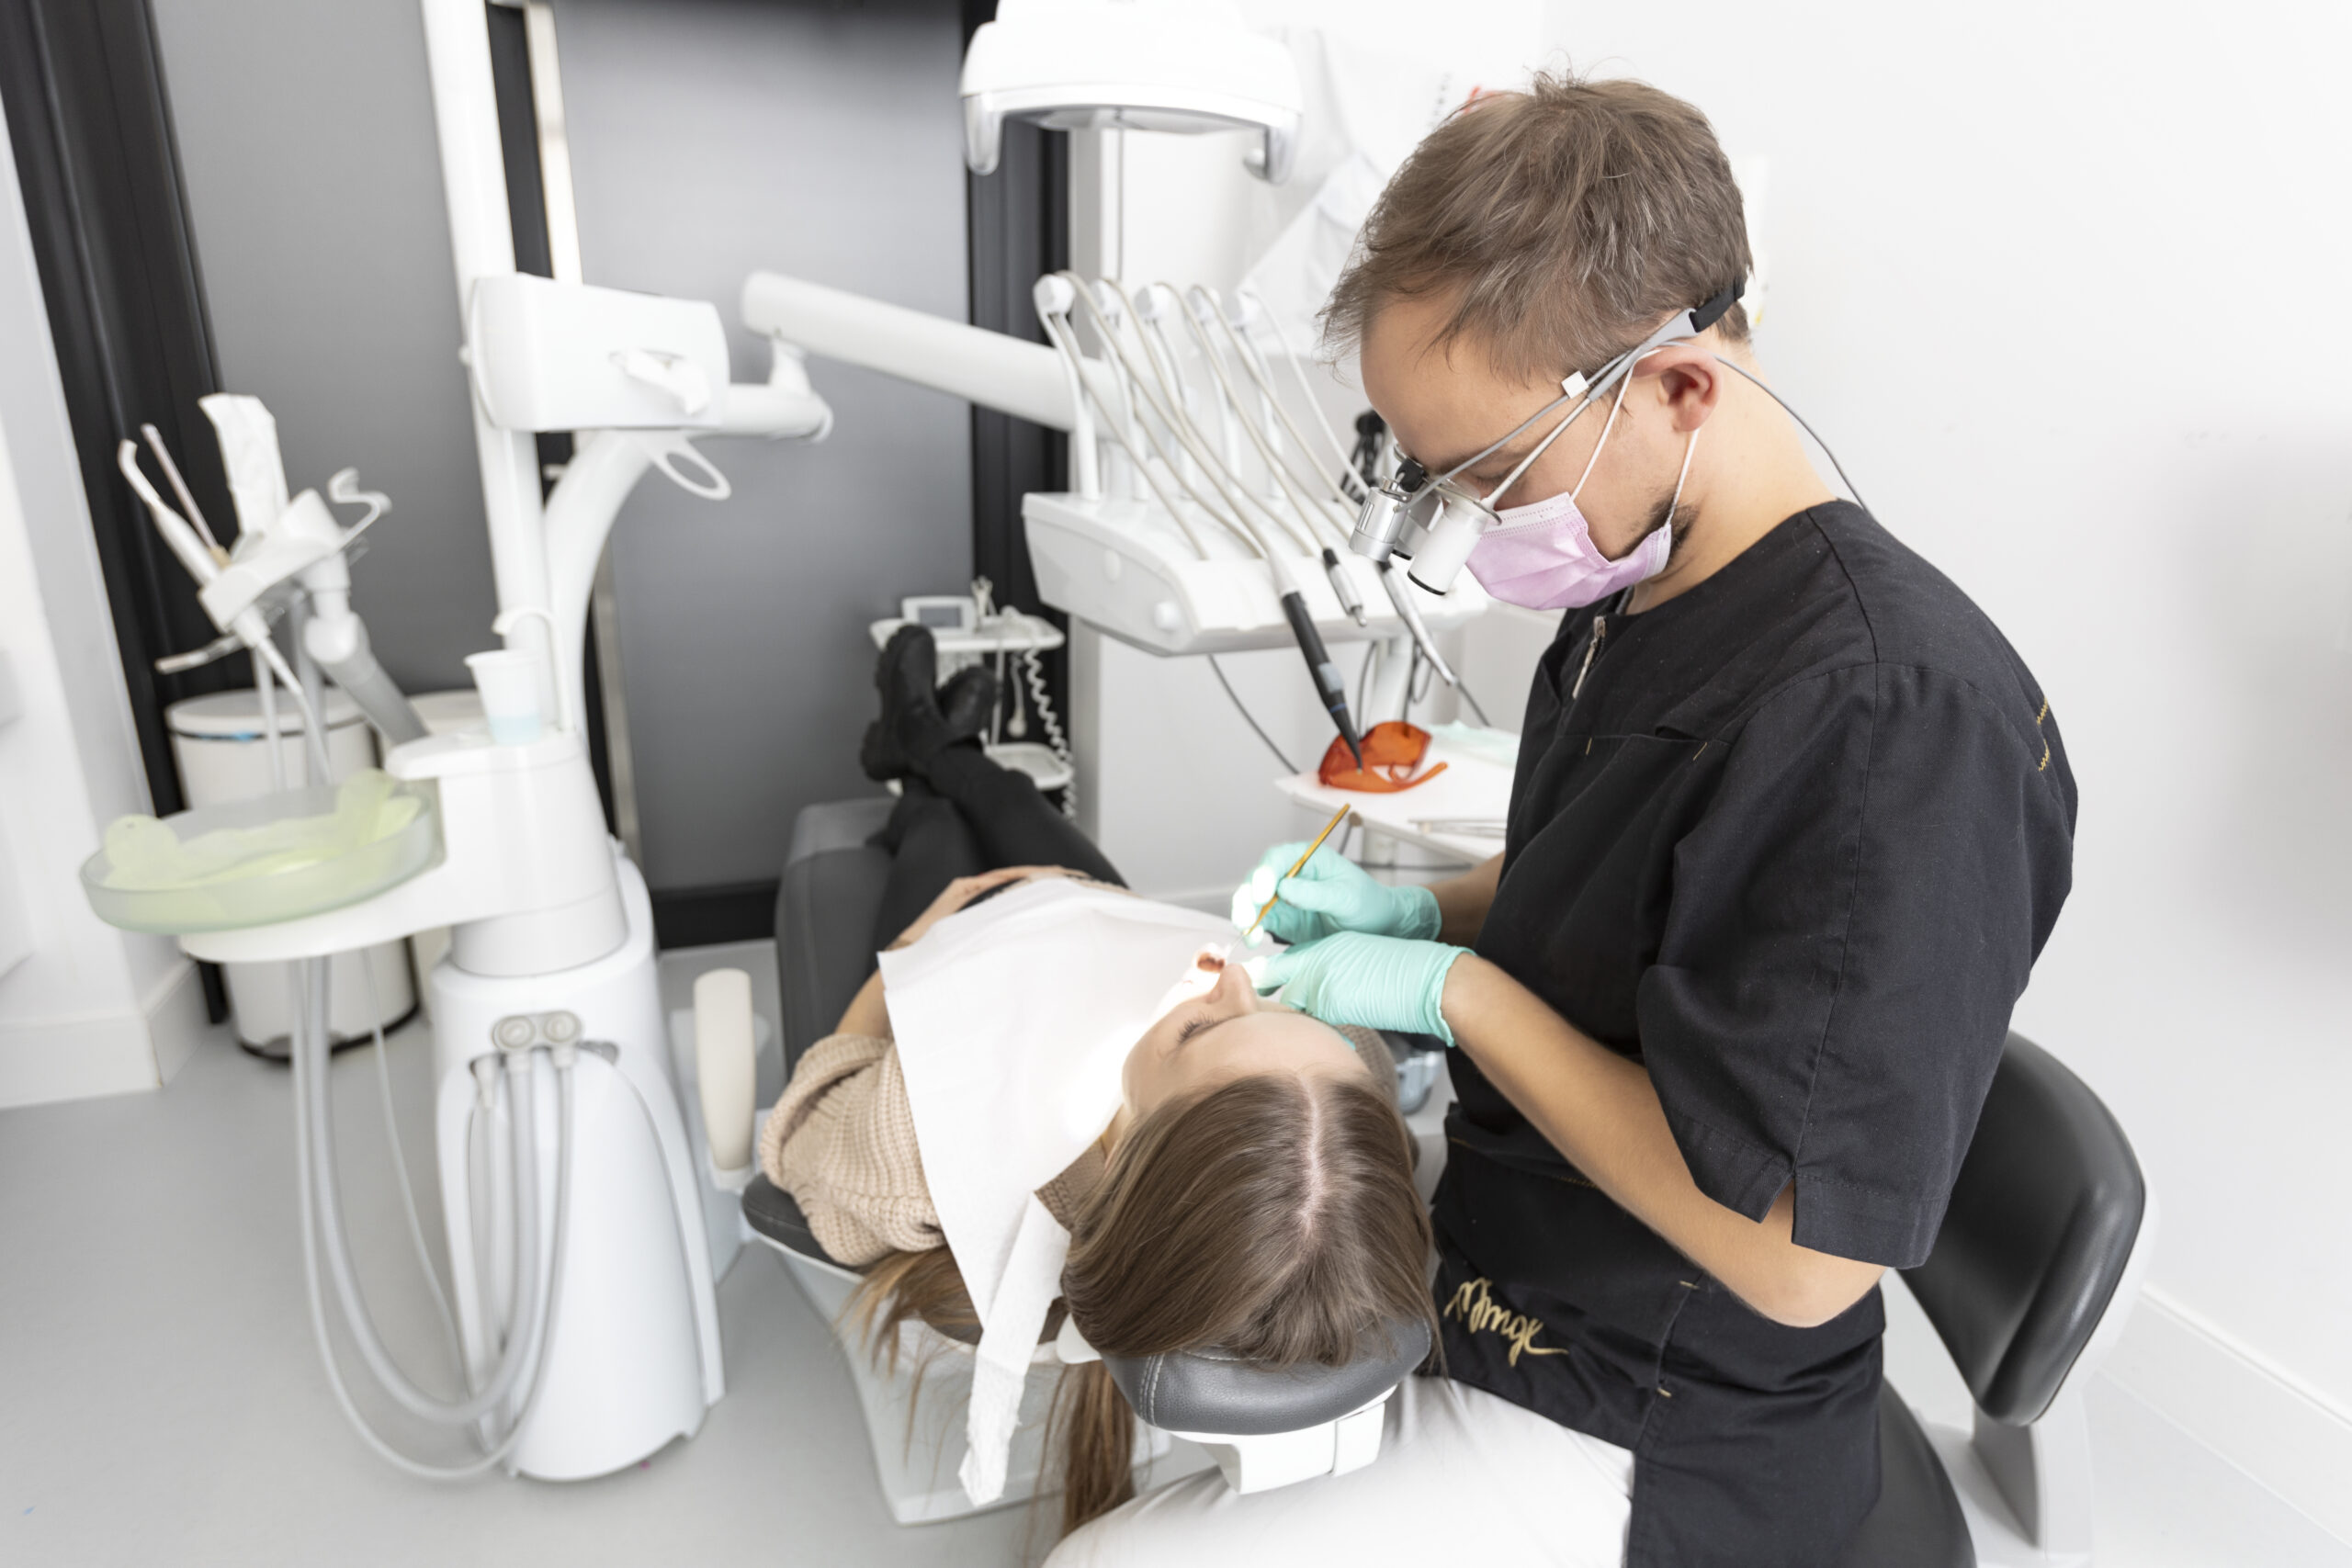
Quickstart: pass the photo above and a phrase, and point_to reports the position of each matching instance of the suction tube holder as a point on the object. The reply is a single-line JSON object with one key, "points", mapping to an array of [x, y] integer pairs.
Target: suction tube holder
{"points": [[1328, 683]]}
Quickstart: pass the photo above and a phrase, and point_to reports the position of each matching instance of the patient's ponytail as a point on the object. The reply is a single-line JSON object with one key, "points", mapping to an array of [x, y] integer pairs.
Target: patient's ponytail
{"points": [[1095, 1428]]}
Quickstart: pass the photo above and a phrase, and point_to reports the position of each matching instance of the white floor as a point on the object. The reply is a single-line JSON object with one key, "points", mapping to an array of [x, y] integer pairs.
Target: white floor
{"points": [[161, 1401]]}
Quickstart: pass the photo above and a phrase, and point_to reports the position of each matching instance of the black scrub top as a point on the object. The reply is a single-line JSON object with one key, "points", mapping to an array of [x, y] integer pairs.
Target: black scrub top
{"points": [[1792, 841]]}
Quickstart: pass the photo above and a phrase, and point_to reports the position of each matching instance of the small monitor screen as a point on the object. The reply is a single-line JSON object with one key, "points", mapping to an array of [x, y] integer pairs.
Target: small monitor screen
{"points": [[940, 615]]}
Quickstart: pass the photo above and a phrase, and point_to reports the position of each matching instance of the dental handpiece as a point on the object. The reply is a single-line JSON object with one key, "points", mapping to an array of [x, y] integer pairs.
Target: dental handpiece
{"points": [[1343, 586], [1327, 684]]}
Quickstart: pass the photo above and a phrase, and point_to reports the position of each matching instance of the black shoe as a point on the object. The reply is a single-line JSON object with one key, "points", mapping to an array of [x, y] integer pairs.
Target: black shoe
{"points": [[903, 674], [968, 701], [878, 754], [919, 718]]}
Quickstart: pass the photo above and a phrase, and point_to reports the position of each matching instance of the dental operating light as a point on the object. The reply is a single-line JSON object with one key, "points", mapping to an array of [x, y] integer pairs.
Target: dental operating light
{"points": [[1188, 66]]}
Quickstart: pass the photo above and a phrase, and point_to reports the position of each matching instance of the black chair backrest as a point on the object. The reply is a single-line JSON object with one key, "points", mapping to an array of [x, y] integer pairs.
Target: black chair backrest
{"points": [[2040, 1226], [825, 910]]}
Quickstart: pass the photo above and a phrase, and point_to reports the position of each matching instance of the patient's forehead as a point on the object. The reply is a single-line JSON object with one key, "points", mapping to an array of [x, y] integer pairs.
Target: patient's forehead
{"points": [[1294, 1027]]}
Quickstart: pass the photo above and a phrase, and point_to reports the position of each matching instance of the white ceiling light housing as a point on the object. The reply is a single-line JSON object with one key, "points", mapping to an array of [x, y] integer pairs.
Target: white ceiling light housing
{"points": [[1180, 65]]}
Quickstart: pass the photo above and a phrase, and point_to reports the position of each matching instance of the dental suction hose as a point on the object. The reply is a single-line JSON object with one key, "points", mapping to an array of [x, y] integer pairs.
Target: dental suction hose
{"points": [[539, 1287], [522, 1103]]}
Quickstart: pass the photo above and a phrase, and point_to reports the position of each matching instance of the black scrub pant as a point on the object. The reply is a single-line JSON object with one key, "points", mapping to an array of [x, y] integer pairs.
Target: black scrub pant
{"points": [[962, 815]]}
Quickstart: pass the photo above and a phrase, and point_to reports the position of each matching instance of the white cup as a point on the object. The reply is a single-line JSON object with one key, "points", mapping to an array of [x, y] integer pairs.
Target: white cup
{"points": [[508, 680]]}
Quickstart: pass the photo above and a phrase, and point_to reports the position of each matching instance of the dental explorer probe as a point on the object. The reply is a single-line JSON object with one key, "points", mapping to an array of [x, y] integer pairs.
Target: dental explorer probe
{"points": [[1295, 867]]}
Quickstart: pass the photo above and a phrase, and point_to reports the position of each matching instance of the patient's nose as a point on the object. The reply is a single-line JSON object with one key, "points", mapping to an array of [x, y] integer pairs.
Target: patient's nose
{"points": [[1232, 993]]}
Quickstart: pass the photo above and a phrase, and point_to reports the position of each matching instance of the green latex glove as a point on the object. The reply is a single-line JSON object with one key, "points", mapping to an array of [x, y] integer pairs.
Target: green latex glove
{"points": [[1375, 982], [1330, 894]]}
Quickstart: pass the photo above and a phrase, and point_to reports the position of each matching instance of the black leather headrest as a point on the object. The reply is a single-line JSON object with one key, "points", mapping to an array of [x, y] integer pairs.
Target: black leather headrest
{"points": [[1205, 1391], [770, 1210], [826, 904], [1184, 1391]]}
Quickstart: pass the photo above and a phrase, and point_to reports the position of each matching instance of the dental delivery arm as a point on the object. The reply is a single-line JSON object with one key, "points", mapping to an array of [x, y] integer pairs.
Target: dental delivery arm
{"points": [[1600, 1110]]}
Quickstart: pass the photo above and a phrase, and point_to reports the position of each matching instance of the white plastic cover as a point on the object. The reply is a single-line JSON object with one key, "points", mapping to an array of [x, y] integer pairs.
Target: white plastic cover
{"points": [[549, 356], [1169, 65], [248, 434]]}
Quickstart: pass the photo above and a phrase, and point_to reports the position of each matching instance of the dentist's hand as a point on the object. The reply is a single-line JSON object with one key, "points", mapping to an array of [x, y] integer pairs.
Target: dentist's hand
{"points": [[1375, 982], [1330, 894]]}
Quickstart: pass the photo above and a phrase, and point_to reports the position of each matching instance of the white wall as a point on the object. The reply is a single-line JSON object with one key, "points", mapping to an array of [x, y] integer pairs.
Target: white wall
{"points": [[2063, 284], [89, 1009]]}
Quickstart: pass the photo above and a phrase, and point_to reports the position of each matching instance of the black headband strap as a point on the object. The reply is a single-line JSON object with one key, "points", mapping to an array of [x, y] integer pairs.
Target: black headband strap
{"points": [[1714, 310]]}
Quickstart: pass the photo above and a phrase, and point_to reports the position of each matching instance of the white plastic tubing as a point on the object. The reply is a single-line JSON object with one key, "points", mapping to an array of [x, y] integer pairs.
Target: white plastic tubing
{"points": [[536, 1296], [537, 1283]]}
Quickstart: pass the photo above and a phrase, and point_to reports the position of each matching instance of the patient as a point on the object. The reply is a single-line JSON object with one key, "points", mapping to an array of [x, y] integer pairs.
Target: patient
{"points": [[1254, 1192]]}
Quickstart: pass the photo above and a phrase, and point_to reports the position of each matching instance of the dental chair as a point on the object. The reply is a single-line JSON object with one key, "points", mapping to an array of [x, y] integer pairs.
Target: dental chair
{"points": [[2040, 1259], [1260, 1427]]}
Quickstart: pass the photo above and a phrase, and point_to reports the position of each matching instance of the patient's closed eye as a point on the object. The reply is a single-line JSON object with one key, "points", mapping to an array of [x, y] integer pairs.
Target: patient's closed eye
{"points": [[1195, 1025]]}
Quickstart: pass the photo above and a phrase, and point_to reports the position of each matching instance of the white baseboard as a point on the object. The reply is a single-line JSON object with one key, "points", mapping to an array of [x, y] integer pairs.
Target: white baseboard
{"points": [[2254, 1415], [75, 1058], [80, 1058], [176, 1023]]}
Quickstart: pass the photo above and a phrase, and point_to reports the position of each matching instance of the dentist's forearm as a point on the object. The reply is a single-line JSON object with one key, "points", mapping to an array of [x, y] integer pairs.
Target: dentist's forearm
{"points": [[1601, 1112], [1463, 902]]}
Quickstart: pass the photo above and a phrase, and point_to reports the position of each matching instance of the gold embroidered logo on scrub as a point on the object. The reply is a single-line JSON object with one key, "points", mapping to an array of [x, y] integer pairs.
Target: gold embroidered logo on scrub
{"points": [[1476, 1309]]}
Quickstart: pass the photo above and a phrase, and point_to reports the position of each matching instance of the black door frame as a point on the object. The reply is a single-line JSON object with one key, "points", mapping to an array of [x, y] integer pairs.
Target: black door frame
{"points": [[90, 125]]}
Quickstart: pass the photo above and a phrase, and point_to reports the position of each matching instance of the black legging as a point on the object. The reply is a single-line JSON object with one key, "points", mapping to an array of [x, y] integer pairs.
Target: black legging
{"points": [[965, 814]]}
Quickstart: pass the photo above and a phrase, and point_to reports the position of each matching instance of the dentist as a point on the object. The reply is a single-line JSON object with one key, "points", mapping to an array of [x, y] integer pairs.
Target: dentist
{"points": [[1791, 824]]}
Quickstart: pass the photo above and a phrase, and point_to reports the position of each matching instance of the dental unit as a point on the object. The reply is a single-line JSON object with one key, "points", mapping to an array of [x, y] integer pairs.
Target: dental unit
{"points": [[589, 1191]]}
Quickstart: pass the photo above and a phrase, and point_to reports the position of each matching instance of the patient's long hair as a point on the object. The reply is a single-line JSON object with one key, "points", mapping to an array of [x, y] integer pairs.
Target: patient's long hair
{"points": [[1273, 1217]]}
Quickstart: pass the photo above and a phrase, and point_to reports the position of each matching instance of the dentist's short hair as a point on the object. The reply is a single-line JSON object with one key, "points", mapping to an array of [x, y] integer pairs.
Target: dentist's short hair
{"points": [[1564, 222]]}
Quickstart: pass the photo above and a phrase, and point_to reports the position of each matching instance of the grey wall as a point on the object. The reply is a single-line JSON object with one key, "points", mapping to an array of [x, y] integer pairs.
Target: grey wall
{"points": [[709, 138], [314, 184]]}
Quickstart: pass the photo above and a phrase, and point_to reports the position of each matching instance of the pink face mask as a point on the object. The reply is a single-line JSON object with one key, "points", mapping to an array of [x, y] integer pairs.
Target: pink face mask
{"points": [[1541, 557]]}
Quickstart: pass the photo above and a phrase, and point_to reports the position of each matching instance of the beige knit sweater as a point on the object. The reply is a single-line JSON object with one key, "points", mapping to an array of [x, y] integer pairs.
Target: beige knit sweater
{"points": [[841, 1141]]}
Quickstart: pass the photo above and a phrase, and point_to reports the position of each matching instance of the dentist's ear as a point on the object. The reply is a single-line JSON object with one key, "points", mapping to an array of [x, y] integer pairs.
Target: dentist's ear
{"points": [[1688, 379]]}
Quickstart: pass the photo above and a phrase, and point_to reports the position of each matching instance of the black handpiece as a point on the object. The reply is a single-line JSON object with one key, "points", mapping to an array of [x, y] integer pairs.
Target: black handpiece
{"points": [[1333, 690]]}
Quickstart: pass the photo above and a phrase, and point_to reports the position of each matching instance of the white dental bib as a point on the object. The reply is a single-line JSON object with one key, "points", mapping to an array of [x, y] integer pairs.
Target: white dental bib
{"points": [[1012, 1022]]}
